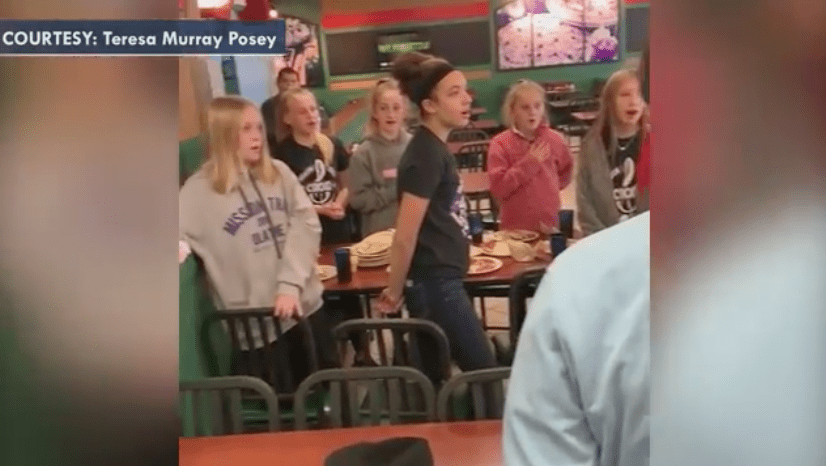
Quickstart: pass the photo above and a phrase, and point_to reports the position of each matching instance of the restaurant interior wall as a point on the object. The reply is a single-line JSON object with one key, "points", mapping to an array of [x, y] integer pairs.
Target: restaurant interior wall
{"points": [[489, 91]]}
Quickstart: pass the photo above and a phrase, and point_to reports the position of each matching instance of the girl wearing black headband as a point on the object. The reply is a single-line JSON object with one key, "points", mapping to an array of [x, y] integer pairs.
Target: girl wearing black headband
{"points": [[430, 252]]}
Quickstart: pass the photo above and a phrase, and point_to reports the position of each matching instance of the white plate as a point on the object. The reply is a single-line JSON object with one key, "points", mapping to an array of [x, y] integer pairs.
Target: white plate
{"points": [[326, 272]]}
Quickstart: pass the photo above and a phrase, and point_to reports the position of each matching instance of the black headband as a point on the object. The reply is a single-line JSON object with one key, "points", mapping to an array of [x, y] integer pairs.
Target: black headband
{"points": [[430, 81]]}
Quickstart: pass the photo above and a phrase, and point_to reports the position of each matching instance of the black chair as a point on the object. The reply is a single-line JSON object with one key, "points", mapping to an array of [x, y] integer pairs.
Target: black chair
{"points": [[224, 397], [488, 214], [280, 364], [473, 156], [272, 362], [571, 127], [584, 104], [486, 389], [403, 332], [347, 405], [467, 135], [521, 289]]}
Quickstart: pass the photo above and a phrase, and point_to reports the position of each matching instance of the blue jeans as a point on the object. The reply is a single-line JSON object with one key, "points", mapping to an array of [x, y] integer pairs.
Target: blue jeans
{"points": [[446, 303]]}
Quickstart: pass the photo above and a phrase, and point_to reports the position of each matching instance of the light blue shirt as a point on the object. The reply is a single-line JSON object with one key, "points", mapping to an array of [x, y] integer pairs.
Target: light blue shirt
{"points": [[740, 369], [579, 392]]}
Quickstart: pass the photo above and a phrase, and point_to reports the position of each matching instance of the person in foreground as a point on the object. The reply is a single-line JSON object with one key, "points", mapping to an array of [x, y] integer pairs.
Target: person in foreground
{"points": [[579, 393]]}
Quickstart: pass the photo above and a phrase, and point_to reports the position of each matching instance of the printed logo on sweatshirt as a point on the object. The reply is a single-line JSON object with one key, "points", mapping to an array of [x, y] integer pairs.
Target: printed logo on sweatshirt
{"points": [[238, 218], [266, 235], [319, 181], [625, 188]]}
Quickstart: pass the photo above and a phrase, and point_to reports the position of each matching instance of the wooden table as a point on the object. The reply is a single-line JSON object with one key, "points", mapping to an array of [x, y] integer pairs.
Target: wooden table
{"points": [[585, 116], [477, 443], [374, 279], [475, 182]]}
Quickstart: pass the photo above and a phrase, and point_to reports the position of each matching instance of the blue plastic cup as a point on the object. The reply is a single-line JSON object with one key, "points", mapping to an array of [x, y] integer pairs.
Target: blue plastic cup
{"points": [[342, 256], [566, 222], [477, 228], [558, 243]]}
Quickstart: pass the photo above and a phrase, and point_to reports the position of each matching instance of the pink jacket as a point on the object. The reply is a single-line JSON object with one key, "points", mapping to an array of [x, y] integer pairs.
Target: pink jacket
{"points": [[526, 189]]}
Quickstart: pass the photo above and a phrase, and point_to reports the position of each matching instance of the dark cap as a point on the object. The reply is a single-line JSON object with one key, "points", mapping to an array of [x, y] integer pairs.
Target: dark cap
{"points": [[402, 451]]}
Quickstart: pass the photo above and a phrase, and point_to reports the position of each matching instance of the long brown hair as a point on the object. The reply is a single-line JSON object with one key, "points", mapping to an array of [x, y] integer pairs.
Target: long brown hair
{"points": [[223, 165], [607, 115], [284, 130]]}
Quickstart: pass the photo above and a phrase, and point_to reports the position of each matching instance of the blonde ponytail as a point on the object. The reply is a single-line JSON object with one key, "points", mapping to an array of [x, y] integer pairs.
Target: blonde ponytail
{"points": [[325, 144]]}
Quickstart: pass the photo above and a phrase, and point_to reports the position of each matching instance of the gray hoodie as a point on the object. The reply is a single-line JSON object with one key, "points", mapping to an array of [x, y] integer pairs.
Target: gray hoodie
{"points": [[234, 240], [373, 189], [596, 209]]}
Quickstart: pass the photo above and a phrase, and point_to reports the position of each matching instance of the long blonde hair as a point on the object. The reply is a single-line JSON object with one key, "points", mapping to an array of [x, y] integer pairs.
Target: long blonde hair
{"points": [[224, 165], [382, 85], [607, 115], [284, 130], [522, 86]]}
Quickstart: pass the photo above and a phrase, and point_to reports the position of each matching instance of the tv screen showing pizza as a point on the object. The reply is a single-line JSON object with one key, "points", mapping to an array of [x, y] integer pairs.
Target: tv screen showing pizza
{"points": [[540, 33]]}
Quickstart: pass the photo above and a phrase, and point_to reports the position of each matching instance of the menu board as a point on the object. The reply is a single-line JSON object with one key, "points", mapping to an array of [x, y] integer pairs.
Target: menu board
{"points": [[462, 43], [539, 33]]}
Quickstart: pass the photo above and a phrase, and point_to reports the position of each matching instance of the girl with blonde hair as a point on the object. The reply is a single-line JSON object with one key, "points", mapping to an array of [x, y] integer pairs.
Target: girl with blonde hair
{"points": [[529, 163], [319, 161], [248, 219], [373, 168], [607, 176]]}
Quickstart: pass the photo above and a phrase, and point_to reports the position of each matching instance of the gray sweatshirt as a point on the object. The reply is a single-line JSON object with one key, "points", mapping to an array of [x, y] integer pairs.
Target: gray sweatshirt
{"points": [[234, 240], [596, 209], [373, 181]]}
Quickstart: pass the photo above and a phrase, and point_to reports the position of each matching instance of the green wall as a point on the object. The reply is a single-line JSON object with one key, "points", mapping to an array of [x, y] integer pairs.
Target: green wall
{"points": [[489, 92]]}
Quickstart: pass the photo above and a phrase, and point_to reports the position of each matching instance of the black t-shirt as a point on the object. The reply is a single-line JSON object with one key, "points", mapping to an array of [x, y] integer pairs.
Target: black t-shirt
{"points": [[428, 170], [268, 110], [319, 181], [624, 175]]}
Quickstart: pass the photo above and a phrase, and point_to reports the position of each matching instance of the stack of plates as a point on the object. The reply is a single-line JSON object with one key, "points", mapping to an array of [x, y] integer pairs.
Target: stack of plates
{"points": [[374, 251]]}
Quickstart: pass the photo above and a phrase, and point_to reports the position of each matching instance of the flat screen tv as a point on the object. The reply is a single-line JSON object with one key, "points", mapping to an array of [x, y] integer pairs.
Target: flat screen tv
{"points": [[390, 46]]}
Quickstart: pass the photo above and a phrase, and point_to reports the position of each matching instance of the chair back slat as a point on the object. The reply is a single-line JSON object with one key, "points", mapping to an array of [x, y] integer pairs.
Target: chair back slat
{"points": [[236, 410], [405, 333], [484, 389], [210, 396], [473, 156], [335, 406], [368, 378], [270, 362]]}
